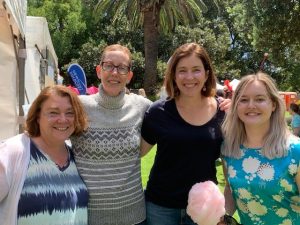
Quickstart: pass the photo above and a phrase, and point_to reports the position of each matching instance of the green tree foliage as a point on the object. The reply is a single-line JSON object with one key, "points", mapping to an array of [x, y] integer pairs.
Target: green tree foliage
{"points": [[154, 16], [65, 22], [236, 34], [276, 30]]}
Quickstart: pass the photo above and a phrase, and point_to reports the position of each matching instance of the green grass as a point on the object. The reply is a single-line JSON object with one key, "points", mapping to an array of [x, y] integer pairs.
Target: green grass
{"points": [[147, 162]]}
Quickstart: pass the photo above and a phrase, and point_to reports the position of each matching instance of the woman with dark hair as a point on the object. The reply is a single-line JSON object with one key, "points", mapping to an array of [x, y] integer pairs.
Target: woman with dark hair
{"points": [[186, 129], [39, 181], [295, 123]]}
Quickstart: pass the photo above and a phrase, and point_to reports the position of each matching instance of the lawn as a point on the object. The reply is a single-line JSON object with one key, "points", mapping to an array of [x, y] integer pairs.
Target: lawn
{"points": [[147, 162]]}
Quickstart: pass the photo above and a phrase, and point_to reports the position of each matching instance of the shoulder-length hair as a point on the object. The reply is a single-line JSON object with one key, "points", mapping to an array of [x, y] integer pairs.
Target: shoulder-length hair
{"points": [[276, 140], [185, 51], [80, 117]]}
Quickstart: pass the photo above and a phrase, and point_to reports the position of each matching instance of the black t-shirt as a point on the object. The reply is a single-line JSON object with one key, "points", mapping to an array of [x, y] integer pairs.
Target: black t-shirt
{"points": [[185, 154]]}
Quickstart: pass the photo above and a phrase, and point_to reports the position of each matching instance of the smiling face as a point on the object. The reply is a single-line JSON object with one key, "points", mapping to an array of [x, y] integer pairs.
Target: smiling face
{"points": [[112, 81], [190, 76], [56, 119], [255, 106]]}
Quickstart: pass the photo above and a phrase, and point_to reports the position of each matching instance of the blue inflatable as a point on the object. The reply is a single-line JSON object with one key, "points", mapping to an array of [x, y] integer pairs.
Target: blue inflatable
{"points": [[78, 76]]}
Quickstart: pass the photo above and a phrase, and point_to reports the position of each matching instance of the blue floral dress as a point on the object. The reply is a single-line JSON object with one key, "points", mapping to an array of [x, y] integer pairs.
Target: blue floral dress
{"points": [[264, 189]]}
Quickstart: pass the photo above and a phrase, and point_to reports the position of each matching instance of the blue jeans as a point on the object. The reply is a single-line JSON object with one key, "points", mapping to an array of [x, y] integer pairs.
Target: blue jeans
{"points": [[159, 215]]}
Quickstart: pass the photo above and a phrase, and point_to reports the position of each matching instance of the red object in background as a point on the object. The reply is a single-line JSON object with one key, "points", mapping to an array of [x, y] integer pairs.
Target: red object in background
{"points": [[92, 90], [288, 98], [228, 85], [74, 89]]}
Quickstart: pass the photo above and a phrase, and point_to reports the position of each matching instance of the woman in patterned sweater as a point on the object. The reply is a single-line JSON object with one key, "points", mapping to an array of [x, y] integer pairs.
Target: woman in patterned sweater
{"points": [[39, 182], [108, 154]]}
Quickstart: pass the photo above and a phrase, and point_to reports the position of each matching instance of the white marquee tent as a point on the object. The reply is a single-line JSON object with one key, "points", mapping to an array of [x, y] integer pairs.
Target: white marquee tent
{"points": [[12, 37], [27, 63], [41, 62]]}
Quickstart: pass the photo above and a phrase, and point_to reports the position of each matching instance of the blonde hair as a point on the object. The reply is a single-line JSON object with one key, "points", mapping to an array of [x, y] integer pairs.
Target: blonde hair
{"points": [[276, 140], [182, 52]]}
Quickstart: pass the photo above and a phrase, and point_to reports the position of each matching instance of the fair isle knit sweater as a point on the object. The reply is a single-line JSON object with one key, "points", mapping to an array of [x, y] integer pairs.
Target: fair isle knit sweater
{"points": [[108, 158]]}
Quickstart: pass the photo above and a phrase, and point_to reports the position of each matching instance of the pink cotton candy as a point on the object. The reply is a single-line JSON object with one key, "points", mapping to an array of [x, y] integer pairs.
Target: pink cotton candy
{"points": [[206, 204]]}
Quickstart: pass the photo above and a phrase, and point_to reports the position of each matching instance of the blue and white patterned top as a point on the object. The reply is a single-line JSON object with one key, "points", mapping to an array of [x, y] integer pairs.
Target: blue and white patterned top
{"points": [[265, 190], [52, 195]]}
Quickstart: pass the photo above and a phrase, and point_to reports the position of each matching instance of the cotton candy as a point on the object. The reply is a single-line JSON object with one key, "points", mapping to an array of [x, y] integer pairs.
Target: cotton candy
{"points": [[206, 204]]}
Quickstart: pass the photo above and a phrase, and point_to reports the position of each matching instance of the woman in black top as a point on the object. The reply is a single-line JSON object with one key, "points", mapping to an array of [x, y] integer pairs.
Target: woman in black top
{"points": [[186, 129]]}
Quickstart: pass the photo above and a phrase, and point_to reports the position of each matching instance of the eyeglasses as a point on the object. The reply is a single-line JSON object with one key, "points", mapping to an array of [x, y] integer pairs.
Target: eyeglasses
{"points": [[229, 220], [122, 69]]}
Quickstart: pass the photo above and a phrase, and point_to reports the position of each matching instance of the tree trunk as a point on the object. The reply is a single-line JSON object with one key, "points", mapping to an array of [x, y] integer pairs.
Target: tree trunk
{"points": [[151, 36]]}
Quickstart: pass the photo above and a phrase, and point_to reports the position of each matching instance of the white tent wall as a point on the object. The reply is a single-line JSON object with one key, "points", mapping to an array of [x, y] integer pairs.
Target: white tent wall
{"points": [[12, 18], [41, 63], [32, 78], [8, 82]]}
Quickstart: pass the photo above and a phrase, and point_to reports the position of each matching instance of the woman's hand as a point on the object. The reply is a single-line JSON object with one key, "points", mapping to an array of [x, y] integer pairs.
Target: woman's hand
{"points": [[224, 103]]}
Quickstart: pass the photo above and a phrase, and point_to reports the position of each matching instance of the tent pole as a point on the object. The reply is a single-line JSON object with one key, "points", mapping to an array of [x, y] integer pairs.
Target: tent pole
{"points": [[21, 64]]}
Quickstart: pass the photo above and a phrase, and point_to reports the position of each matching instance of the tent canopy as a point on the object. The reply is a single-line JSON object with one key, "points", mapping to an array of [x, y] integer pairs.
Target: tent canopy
{"points": [[17, 10], [12, 26]]}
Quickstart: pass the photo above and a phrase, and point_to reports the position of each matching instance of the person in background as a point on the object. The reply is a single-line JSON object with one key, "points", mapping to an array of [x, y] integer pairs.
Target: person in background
{"points": [[187, 130], [108, 153], [261, 157], [220, 93], [142, 92], [39, 182], [295, 123]]}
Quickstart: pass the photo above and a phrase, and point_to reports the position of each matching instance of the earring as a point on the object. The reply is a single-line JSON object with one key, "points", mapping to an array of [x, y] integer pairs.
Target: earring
{"points": [[204, 88]]}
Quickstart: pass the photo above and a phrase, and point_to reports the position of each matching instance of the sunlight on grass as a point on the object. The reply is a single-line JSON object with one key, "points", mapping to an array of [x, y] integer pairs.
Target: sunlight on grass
{"points": [[147, 162]]}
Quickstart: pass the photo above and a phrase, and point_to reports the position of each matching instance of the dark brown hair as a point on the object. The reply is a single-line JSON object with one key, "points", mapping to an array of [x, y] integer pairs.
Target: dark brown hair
{"points": [[295, 108], [80, 122], [185, 51]]}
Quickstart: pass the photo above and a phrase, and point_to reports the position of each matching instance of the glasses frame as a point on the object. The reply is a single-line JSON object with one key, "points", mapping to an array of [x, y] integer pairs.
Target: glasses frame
{"points": [[117, 67]]}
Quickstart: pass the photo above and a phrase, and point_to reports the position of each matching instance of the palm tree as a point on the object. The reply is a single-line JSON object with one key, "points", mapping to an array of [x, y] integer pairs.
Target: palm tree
{"points": [[155, 16]]}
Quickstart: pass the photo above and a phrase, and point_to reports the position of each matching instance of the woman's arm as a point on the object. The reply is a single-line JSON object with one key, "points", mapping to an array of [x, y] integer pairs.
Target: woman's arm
{"points": [[145, 147], [230, 206]]}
